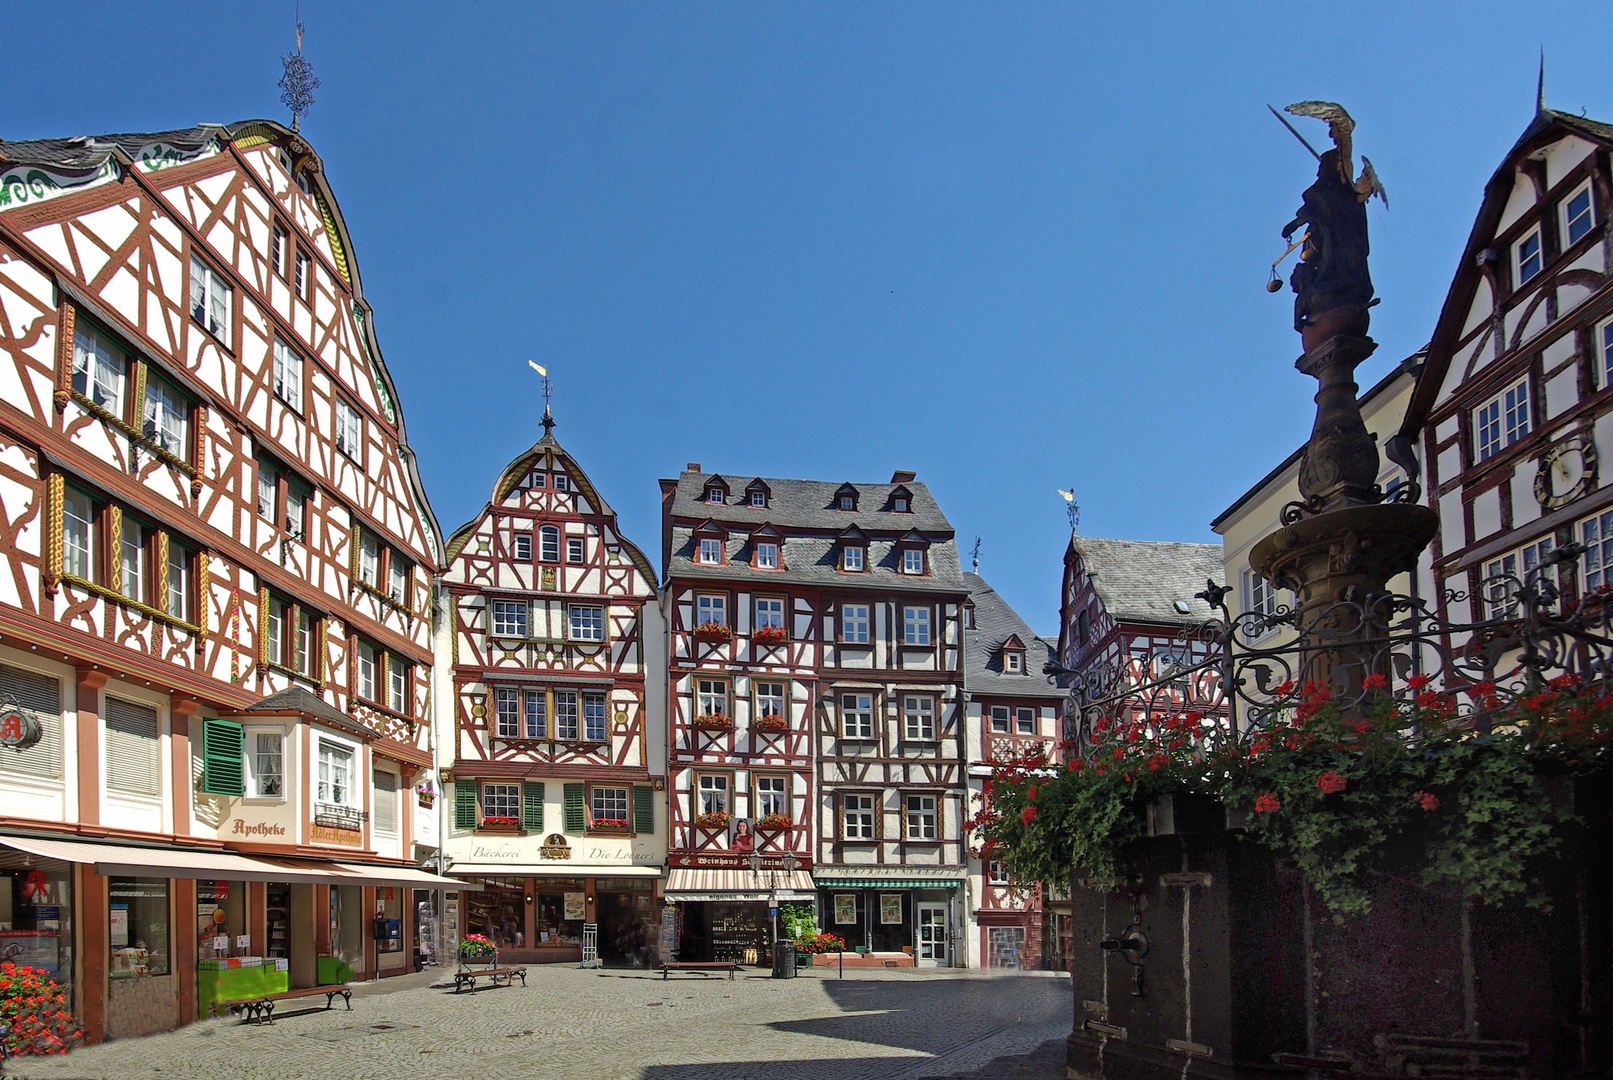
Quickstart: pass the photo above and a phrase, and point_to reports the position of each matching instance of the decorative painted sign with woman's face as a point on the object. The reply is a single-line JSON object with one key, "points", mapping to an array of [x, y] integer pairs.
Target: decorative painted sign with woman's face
{"points": [[740, 836]]}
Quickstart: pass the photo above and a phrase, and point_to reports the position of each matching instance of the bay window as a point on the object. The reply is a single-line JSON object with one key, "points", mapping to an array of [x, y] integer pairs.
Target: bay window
{"points": [[335, 785]]}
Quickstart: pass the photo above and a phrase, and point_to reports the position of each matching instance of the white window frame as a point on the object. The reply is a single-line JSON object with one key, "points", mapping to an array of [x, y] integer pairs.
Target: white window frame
{"points": [[770, 612], [758, 499], [853, 558], [605, 799], [278, 238], [567, 716], [920, 817], [913, 561], [1013, 662], [1001, 717], [181, 593], [772, 795], [1596, 565], [1502, 420], [397, 684], [349, 430], [716, 495], [549, 543], [210, 299], [772, 698], [857, 817], [259, 773], [333, 786], [398, 571], [767, 555], [523, 546], [134, 557], [1024, 720], [918, 717], [99, 370], [711, 697], [369, 559], [710, 551], [997, 873], [1568, 219], [1500, 601], [507, 712], [595, 717], [916, 628], [366, 658], [288, 373], [900, 504], [167, 410], [855, 622], [585, 622], [857, 715], [500, 800], [78, 534], [303, 277], [1521, 261], [712, 794], [711, 608], [576, 549]]}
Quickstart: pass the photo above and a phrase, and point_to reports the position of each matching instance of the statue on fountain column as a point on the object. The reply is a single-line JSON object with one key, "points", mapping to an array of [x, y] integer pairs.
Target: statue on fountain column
{"points": [[1332, 284]]}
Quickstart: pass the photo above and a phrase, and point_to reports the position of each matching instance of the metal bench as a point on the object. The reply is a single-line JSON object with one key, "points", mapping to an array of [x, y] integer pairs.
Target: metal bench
{"points": [[261, 1009], [500, 976], [698, 965]]}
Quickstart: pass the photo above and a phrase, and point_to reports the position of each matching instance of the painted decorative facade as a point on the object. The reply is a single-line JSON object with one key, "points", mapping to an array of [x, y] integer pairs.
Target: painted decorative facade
{"points": [[554, 719], [218, 560]]}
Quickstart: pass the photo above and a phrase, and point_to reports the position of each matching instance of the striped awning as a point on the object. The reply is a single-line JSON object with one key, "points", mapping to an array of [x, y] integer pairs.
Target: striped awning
{"points": [[693, 883], [890, 877]]}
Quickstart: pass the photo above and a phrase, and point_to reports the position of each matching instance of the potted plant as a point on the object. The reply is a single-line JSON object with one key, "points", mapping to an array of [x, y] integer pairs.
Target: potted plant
{"points": [[477, 949], [715, 821], [771, 724], [501, 824], [711, 631], [715, 722], [773, 822], [614, 825], [33, 1015], [426, 794], [770, 635]]}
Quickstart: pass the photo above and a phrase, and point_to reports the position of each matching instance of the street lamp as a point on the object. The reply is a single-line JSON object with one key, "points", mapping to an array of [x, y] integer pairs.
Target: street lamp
{"points": [[755, 861]]}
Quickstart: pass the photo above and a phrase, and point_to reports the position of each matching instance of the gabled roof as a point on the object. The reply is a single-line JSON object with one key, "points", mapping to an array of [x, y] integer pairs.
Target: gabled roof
{"points": [[913, 538], [810, 504], [1141, 580], [304, 702], [1547, 127], [766, 530], [852, 535], [997, 624]]}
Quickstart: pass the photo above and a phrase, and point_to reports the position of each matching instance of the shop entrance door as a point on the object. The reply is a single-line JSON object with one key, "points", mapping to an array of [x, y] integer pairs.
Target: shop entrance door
{"points": [[932, 935]]}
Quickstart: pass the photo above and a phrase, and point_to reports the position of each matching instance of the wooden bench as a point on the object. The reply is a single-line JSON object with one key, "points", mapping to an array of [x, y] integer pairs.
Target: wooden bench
{"points": [[500, 976], [698, 965], [260, 1009]]}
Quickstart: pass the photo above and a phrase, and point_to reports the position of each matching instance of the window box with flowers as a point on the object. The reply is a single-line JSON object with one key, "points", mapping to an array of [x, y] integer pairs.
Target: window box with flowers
{"points": [[501, 825], [426, 794], [771, 724], [770, 635], [477, 949], [614, 826], [714, 632], [773, 822], [714, 722], [715, 821]]}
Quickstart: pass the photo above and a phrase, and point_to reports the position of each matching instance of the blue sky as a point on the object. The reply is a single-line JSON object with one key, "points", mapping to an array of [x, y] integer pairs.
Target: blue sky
{"points": [[1011, 247]]}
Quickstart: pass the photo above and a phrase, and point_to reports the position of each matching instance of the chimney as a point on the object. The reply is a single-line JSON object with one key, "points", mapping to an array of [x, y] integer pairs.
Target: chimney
{"points": [[693, 466], [902, 476]]}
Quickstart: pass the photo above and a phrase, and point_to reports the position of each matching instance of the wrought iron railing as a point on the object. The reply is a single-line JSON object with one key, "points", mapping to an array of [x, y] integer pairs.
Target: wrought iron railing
{"points": [[1220, 668]]}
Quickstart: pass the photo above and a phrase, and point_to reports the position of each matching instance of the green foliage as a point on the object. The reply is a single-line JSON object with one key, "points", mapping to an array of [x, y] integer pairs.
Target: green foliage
{"points": [[798, 920], [1402, 787]]}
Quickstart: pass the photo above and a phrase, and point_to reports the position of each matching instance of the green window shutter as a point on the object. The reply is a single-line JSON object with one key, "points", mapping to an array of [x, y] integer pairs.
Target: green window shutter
{"points": [[531, 805], [643, 809], [576, 818], [464, 804], [223, 758]]}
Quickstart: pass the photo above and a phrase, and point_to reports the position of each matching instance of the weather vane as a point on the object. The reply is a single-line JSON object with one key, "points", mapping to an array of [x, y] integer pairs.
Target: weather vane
{"points": [[548, 392], [976, 555], [298, 84], [1074, 507]]}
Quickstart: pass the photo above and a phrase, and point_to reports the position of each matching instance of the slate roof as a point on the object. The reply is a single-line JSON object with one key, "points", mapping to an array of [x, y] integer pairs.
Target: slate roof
{"points": [[1141, 580], [300, 700], [804, 511], [86, 153], [995, 623]]}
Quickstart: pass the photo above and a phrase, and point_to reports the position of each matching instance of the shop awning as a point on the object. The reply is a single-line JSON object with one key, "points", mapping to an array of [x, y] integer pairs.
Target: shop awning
{"points": [[175, 862], [890, 877], [551, 869], [691, 883]]}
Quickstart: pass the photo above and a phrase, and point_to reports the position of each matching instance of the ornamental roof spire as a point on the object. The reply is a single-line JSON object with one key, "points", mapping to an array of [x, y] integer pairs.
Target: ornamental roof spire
{"points": [[297, 84]]}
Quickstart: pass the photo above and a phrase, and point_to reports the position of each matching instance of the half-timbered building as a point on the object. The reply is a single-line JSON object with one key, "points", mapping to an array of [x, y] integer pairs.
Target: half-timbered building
{"points": [[554, 726], [1012, 708], [815, 677], [1515, 404], [215, 609]]}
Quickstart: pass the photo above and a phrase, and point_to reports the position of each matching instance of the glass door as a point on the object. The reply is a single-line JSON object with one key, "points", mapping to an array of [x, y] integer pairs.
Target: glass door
{"points": [[932, 934]]}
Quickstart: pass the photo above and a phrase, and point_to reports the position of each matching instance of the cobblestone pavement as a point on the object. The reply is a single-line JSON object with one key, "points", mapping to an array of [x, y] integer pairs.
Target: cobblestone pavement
{"points": [[619, 1025]]}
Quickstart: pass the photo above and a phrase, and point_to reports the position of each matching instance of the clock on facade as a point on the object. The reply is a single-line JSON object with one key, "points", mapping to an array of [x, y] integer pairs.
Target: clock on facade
{"points": [[1566, 471]]}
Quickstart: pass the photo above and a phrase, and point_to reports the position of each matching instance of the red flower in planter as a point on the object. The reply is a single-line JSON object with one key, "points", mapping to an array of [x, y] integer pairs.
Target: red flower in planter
{"points": [[713, 821], [1427, 800], [773, 822], [610, 823], [1267, 804], [486, 821], [711, 631], [1375, 681], [770, 635], [770, 723], [1330, 782], [715, 721], [1028, 815]]}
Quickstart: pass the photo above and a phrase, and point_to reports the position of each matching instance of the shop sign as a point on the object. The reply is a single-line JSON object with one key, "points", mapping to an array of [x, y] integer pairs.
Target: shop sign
{"points": [[500, 853], [732, 861], [555, 847], [338, 825], [257, 828], [19, 727]]}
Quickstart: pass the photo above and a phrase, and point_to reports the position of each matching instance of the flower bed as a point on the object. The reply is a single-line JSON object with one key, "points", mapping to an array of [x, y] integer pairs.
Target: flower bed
{"points": [[477, 947], [715, 722], [710, 631], [772, 724], [1402, 788], [33, 1009], [773, 822], [770, 635], [822, 943], [714, 821]]}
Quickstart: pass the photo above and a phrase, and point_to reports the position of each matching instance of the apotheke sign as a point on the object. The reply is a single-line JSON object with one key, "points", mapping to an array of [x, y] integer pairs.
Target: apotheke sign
{"points": [[19, 727]]}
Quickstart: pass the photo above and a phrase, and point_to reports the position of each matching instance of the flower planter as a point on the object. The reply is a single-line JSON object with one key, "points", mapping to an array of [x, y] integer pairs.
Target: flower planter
{"points": [[610, 826], [769, 635], [770, 725], [773, 823], [714, 822], [500, 825], [715, 722], [713, 632]]}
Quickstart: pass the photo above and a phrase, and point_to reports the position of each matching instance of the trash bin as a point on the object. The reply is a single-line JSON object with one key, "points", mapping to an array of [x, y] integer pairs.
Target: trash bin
{"points": [[784, 959]]}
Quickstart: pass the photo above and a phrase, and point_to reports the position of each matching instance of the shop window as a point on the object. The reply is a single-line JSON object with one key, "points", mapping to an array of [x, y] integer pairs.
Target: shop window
{"points": [[388, 928], [560, 908], [137, 927], [36, 917], [499, 912]]}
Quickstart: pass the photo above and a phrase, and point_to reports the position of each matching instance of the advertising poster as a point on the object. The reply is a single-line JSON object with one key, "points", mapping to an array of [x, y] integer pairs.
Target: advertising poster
{"points": [[36, 948], [845, 909], [119, 926], [741, 836], [575, 908], [890, 909]]}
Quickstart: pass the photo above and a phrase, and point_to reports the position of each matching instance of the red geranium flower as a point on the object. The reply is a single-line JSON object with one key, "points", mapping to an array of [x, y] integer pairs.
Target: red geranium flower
{"points": [[1028, 815], [1427, 800], [1330, 782], [1418, 682], [1267, 804], [1375, 681]]}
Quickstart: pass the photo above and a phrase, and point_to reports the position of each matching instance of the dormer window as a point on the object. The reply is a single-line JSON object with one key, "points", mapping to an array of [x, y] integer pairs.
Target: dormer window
{"points": [[710, 551], [758, 498], [848, 502], [757, 495], [1527, 256], [767, 555], [900, 504], [846, 498], [716, 494], [1013, 662], [853, 558], [1578, 216], [901, 501], [913, 561]]}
